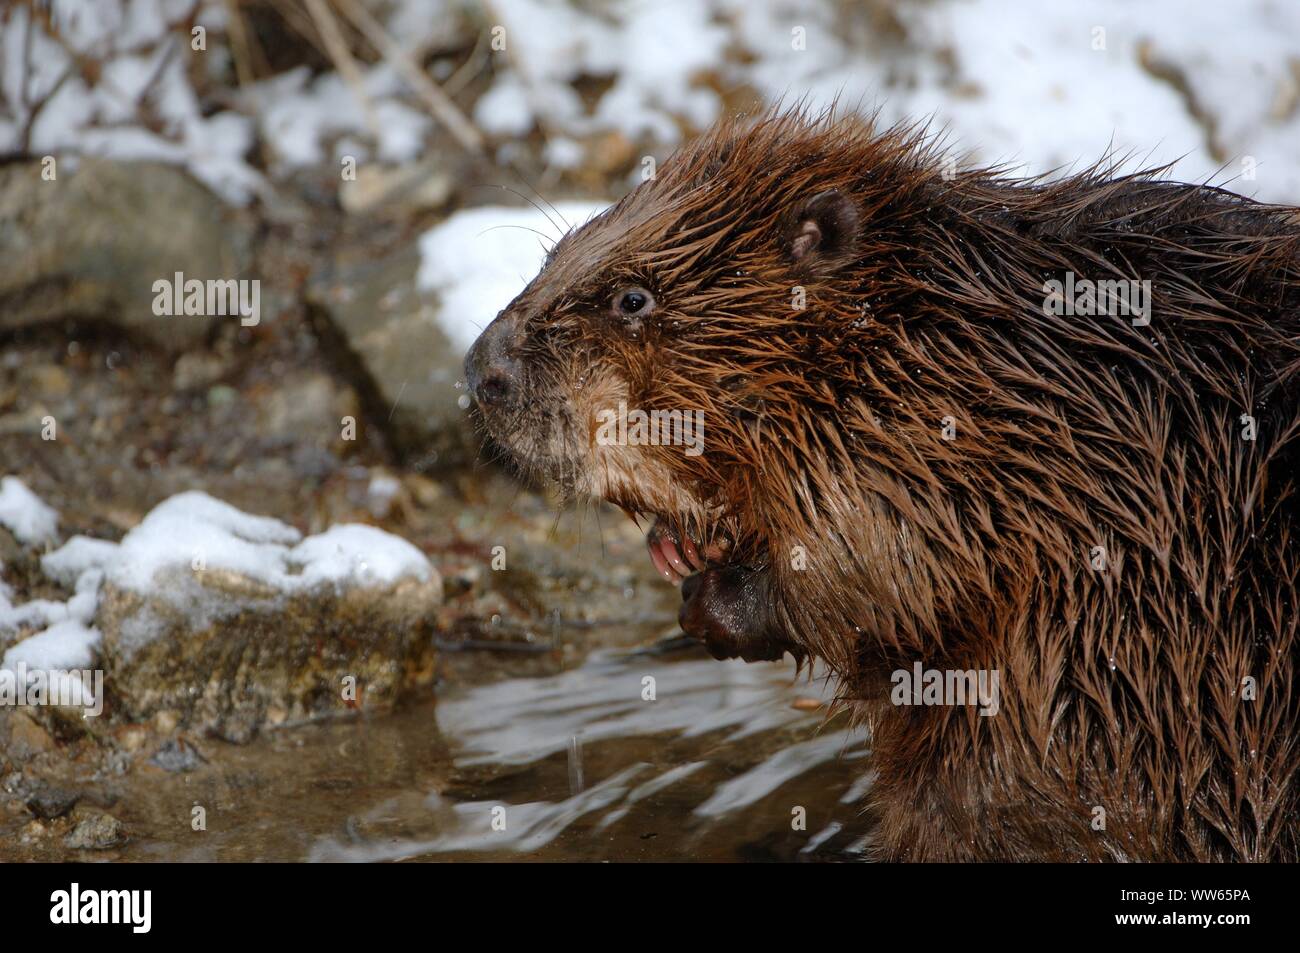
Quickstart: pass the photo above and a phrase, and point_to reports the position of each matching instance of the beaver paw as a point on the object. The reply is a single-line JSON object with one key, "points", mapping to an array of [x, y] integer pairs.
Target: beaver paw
{"points": [[726, 609]]}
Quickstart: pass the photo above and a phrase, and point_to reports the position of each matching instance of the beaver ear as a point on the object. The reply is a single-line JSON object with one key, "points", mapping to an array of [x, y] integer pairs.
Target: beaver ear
{"points": [[823, 228]]}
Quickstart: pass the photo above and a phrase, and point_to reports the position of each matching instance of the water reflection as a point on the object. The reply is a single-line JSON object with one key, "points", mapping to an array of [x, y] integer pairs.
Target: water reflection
{"points": [[595, 762]]}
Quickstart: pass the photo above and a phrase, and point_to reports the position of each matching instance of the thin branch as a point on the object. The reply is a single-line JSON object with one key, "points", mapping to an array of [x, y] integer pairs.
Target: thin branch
{"points": [[440, 104], [472, 66], [239, 44], [338, 51]]}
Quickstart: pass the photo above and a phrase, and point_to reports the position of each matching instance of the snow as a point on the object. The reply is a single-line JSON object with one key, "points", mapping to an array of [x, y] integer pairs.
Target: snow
{"points": [[197, 532], [657, 55], [564, 153], [353, 551], [1016, 82], [25, 515], [1010, 82], [381, 492], [35, 613], [1050, 99], [144, 65], [142, 60], [193, 532], [65, 639], [63, 646], [38, 613], [479, 259], [504, 110], [654, 51], [75, 558], [1031, 89], [296, 117]]}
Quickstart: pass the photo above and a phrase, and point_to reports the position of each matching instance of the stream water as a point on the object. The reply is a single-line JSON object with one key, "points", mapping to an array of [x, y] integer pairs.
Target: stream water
{"points": [[633, 755]]}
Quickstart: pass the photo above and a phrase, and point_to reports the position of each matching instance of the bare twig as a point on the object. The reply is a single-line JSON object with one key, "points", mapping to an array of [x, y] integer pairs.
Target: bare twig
{"points": [[337, 48], [242, 45], [472, 66], [302, 25], [440, 104], [523, 74], [24, 104], [26, 107]]}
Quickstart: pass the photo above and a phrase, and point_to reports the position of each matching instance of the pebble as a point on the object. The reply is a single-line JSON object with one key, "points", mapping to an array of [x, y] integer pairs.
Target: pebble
{"points": [[96, 832], [176, 756], [49, 803]]}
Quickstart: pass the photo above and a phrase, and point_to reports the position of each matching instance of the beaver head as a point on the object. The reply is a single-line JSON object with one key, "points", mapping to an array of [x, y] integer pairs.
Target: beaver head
{"points": [[634, 367]]}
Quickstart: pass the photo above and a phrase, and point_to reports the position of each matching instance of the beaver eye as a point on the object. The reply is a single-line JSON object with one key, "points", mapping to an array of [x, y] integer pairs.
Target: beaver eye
{"points": [[633, 302]]}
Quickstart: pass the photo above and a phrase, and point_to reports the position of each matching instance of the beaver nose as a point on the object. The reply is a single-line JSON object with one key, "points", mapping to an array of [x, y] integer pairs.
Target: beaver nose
{"points": [[491, 369]]}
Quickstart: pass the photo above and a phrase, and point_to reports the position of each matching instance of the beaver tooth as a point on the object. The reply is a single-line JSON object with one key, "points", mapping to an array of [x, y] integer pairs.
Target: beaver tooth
{"points": [[674, 557], [692, 554], [661, 563]]}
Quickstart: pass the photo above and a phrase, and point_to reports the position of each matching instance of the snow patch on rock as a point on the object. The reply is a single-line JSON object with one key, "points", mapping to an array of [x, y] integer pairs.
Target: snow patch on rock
{"points": [[353, 552], [25, 514], [64, 646], [199, 532], [196, 532], [65, 641], [190, 534]]}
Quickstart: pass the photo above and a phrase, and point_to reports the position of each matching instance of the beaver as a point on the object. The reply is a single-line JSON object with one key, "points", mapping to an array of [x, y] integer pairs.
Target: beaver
{"points": [[955, 421]]}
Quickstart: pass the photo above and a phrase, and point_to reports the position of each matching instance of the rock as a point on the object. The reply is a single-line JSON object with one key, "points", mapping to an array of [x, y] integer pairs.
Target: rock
{"points": [[397, 190], [306, 404], [89, 245], [217, 620], [96, 831], [48, 381], [133, 738], [33, 833], [198, 369], [426, 492], [252, 656], [383, 332], [27, 737], [50, 803], [177, 757]]}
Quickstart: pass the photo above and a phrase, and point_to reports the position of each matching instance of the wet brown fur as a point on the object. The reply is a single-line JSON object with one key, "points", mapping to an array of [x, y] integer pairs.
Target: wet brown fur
{"points": [[1122, 687]]}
